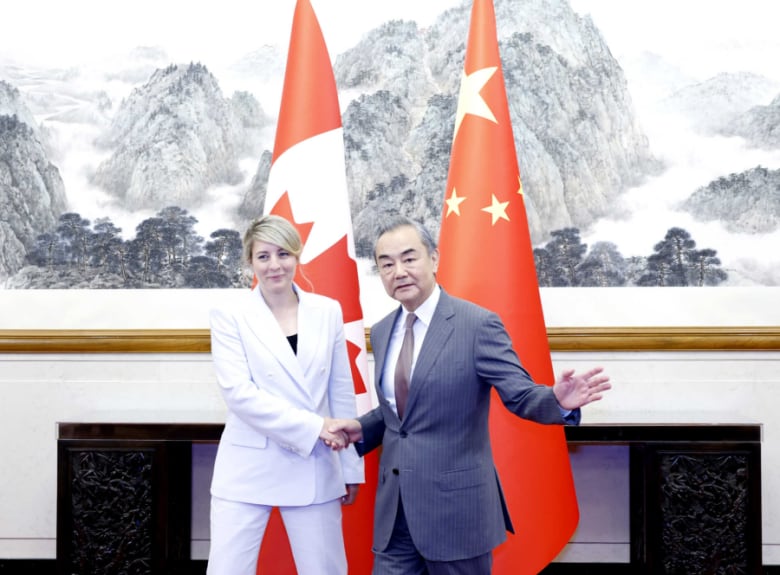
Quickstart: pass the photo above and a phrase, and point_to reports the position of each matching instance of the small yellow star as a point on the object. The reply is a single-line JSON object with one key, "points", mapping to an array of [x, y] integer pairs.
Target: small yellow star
{"points": [[469, 99], [520, 186], [497, 210], [453, 203]]}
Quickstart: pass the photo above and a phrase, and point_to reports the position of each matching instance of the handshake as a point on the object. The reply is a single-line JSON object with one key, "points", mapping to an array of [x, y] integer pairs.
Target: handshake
{"points": [[339, 433]]}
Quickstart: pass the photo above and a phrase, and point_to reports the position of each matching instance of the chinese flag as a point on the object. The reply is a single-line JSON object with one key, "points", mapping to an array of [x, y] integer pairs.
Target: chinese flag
{"points": [[307, 185], [487, 257]]}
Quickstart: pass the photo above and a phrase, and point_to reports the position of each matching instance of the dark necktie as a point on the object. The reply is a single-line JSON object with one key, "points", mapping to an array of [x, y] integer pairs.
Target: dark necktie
{"points": [[403, 367]]}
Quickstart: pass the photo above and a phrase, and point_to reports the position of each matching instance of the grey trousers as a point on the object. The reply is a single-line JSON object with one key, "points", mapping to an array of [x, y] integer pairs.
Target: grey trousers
{"points": [[402, 558]]}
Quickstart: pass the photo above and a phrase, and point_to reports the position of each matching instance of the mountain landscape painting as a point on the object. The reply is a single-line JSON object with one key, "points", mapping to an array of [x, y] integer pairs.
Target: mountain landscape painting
{"points": [[135, 142]]}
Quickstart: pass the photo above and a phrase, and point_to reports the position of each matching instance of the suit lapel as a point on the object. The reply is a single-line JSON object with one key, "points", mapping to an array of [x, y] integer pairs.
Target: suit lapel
{"points": [[263, 324], [436, 337], [380, 341], [312, 329]]}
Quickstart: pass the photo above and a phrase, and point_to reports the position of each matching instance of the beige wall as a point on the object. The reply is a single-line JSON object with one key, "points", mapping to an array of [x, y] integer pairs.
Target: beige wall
{"points": [[38, 390]]}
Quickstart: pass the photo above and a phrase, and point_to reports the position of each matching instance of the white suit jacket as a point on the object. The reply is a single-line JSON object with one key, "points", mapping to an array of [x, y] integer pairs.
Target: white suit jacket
{"points": [[270, 452]]}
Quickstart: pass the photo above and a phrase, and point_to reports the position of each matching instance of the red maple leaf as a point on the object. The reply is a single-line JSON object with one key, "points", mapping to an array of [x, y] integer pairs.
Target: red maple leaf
{"points": [[333, 273], [354, 351], [284, 208]]}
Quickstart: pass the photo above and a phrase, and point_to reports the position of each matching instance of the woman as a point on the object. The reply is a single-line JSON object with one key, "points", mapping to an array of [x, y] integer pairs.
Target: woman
{"points": [[281, 362]]}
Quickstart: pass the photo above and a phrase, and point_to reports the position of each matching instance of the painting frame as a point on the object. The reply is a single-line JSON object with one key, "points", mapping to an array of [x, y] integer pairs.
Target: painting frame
{"points": [[52, 321], [618, 339], [578, 319]]}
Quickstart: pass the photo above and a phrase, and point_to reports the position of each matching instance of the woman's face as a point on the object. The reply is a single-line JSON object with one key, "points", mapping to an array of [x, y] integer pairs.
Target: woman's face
{"points": [[274, 267]]}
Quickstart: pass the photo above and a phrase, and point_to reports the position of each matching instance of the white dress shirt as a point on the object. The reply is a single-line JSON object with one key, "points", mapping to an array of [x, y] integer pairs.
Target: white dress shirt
{"points": [[424, 315]]}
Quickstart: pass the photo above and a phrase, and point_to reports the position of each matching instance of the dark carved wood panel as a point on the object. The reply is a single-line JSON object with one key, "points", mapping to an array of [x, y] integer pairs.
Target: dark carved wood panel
{"points": [[704, 513], [696, 508], [111, 512], [123, 506], [695, 497]]}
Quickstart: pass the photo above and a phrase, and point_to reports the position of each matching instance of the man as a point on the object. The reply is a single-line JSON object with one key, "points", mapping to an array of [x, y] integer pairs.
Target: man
{"points": [[439, 504]]}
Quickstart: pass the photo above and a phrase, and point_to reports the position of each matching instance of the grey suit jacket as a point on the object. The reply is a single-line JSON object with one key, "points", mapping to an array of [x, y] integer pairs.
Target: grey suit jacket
{"points": [[439, 459]]}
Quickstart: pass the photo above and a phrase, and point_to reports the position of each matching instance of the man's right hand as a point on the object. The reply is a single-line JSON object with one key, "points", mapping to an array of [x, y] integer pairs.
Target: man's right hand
{"points": [[351, 427], [336, 440]]}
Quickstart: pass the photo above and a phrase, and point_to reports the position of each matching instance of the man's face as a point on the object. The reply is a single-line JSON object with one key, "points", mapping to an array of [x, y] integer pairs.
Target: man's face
{"points": [[407, 270]]}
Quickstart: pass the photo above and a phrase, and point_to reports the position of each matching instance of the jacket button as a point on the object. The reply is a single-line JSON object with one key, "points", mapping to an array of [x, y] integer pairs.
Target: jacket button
{"points": [[395, 471]]}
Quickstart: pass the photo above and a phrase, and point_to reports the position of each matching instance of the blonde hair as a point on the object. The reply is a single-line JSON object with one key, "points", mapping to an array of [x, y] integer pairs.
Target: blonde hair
{"points": [[274, 230]]}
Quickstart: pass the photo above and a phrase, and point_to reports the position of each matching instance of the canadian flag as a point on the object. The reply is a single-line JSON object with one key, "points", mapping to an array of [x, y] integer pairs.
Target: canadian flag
{"points": [[307, 185], [487, 257]]}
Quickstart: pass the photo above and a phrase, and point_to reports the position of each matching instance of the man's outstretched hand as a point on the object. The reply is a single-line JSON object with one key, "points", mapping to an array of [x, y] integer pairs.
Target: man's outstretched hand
{"points": [[573, 391]]}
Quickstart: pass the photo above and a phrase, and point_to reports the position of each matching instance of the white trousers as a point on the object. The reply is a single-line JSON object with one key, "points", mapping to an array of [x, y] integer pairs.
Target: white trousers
{"points": [[314, 531]]}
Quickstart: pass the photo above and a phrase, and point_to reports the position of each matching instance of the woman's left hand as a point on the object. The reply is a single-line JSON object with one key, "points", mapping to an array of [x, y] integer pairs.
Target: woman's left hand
{"points": [[352, 491]]}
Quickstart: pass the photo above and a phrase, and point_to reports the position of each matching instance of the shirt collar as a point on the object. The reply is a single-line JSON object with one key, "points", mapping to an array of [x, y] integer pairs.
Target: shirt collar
{"points": [[426, 309]]}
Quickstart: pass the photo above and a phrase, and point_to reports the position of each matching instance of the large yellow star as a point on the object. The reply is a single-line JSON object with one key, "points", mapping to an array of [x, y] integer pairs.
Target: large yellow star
{"points": [[469, 99], [497, 210], [453, 203]]}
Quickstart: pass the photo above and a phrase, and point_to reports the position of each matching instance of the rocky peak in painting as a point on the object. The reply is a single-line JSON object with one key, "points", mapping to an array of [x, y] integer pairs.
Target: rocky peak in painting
{"points": [[173, 138], [579, 144], [12, 104], [747, 202], [760, 126], [715, 105], [32, 194]]}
